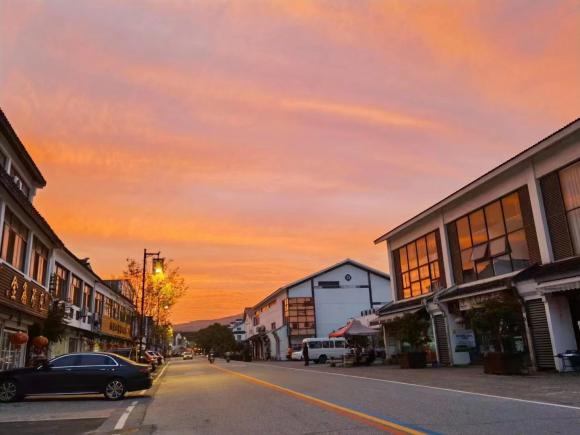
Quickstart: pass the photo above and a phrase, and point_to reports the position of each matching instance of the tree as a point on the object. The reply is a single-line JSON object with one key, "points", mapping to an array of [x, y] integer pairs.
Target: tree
{"points": [[411, 329], [501, 319], [218, 337], [161, 291]]}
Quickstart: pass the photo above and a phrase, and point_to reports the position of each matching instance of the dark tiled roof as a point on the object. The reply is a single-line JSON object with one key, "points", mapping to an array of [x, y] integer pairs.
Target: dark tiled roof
{"points": [[548, 272], [26, 205], [11, 136], [405, 304]]}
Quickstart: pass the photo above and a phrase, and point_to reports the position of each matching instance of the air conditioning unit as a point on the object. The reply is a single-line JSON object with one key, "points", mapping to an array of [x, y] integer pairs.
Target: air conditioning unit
{"points": [[18, 181]]}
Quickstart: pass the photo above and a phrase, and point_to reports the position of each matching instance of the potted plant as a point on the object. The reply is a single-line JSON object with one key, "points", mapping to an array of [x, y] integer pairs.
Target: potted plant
{"points": [[501, 320], [412, 332]]}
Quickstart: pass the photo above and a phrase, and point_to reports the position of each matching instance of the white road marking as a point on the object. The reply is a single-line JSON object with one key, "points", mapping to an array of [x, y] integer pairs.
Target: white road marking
{"points": [[160, 374], [557, 405], [123, 419]]}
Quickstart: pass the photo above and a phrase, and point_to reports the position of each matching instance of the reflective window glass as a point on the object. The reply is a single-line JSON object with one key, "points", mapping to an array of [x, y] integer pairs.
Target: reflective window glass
{"points": [[463, 233], [406, 280], [416, 289], [497, 247], [412, 255], [415, 275], [512, 213], [422, 251], [570, 182], [424, 272], [484, 269], [65, 361], [502, 265], [435, 274], [95, 360], [519, 250], [403, 259], [494, 218], [432, 247], [479, 252], [477, 225]]}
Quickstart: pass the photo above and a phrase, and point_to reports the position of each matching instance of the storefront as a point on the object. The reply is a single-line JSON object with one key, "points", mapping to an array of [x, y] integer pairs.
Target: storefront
{"points": [[22, 304]]}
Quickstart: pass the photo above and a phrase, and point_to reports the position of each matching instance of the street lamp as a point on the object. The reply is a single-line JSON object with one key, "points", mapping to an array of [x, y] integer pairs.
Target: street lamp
{"points": [[157, 269]]}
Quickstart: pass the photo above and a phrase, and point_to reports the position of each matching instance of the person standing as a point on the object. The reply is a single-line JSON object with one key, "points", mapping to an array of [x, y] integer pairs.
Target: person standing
{"points": [[305, 353]]}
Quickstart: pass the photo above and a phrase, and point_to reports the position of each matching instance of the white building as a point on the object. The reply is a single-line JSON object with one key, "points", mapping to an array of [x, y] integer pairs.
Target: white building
{"points": [[237, 328], [314, 306], [514, 230]]}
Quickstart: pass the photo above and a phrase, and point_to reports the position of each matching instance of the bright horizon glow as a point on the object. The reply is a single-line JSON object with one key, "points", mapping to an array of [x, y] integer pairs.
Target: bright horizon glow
{"points": [[257, 142]]}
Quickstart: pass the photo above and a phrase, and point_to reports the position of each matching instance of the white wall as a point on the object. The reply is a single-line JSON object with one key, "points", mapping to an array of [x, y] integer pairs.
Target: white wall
{"points": [[302, 290]]}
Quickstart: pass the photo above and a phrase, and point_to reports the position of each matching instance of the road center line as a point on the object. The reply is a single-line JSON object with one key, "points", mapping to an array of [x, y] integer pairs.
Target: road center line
{"points": [[123, 419], [380, 423], [492, 396]]}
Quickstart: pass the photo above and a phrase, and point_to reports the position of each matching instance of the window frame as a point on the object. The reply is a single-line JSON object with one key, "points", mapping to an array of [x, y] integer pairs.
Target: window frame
{"points": [[572, 210], [15, 234]]}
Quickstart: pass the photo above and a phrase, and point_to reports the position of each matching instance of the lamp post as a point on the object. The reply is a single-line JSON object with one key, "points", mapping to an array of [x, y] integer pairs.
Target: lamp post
{"points": [[157, 268]]}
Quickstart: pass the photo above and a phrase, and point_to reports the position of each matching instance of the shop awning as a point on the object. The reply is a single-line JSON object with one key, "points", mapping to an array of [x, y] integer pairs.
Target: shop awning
{"points": [[354, 328], [560, 285]]}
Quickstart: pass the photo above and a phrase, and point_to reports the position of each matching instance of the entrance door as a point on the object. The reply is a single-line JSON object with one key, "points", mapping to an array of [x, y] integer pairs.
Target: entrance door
{"points": [[541, 340]]}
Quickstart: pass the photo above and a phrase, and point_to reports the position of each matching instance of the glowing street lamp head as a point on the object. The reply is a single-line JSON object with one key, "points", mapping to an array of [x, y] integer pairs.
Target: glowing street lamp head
{"points": [[158, 264]]}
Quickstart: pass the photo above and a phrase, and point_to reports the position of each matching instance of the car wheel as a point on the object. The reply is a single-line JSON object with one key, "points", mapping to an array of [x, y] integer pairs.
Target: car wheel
{"points": [[115, 389], [322, 359], [8, 391]]}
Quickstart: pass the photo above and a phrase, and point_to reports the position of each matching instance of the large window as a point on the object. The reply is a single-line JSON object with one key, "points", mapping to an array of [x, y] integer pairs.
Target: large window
{"points": [[570, 182], [299, 315], [99, 303], [39, 261], [61, 275], [14, 240], [420, 266], [75, 291], [87, 291], [492, 240]]}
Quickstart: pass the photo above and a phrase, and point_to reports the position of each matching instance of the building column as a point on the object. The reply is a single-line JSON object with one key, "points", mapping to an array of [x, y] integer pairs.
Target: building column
{"points": [[539, 213], [449, 277]]}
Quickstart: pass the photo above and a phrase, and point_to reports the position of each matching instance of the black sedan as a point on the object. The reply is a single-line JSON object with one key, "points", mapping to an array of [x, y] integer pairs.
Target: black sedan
{"points": [[77, 373]]}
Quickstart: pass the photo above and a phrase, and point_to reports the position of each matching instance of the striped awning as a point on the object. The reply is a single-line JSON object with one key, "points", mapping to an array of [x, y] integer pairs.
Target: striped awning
{"points": [[561, 285]]}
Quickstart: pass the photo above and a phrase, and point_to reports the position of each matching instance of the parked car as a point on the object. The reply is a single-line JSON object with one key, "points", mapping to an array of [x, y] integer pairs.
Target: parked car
{"points": [[133, 354], [297, 355], [160, 357], [187, 355], [77, 373], [321, 350]]}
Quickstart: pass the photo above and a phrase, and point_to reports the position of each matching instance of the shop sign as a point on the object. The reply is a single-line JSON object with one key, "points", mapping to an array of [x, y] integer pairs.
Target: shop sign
{"points": [[464, 340], [477, 301], [21, 292], [115, 327]]}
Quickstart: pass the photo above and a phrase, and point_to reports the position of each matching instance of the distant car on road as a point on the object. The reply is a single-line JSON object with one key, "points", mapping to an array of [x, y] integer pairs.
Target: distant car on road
{"points": [[77, 373], [187, 355]]}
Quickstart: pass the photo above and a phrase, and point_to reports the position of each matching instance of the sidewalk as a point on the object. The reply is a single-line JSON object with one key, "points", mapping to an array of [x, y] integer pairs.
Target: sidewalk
{"points": [[563, 389]]}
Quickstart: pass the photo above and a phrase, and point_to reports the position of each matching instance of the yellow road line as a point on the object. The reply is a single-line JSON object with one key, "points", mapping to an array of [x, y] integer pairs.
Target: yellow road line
{"points": [[369, 419]]}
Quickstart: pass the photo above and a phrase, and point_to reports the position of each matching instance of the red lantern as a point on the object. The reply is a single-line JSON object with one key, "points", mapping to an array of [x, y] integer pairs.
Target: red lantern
{"points": [[19, 339], [40, 341]]}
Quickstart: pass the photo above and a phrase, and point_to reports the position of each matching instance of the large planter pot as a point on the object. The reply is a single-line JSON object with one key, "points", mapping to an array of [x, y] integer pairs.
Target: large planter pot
{"points": [[413, 360], [498, 363]]}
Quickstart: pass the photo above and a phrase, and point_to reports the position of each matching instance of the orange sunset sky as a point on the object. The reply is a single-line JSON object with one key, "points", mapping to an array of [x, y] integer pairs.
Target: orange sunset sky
{"points": [[254, 142]]}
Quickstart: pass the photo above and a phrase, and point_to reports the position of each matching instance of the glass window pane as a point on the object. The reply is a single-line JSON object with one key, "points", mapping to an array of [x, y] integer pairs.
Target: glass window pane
{"points": [[416, 289], [479, 252], [65, 361], [412, 255], [432, 247], [415, 275], [422, 251], [512, 213], [484, 269], [426, 286], [424, 271], [494, 219], [463, 233], [406, 281], [403, 259], [477, 225], [574, 224], [502, 265], [570, 182], [407, 292], [435, 274], [497, 247], [519, 249], [467, 265]]}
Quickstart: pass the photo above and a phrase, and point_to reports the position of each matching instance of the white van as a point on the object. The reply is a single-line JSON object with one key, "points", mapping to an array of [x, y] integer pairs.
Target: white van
{"points": [[321, 350]]}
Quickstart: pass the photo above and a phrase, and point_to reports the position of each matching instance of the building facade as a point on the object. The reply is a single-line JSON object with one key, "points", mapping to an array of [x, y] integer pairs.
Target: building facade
{"points": [[38, 273], [313, 306], [514, 231]]}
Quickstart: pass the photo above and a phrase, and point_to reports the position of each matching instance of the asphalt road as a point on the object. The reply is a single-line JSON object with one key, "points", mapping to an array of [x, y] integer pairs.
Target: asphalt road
{"points": [[194, 397]]}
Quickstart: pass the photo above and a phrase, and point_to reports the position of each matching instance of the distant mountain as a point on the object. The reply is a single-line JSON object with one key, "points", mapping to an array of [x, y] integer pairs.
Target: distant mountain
{"points": [[196, 325]]}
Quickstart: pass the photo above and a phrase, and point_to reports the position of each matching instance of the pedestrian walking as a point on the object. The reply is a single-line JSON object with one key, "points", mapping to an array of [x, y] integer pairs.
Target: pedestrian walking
{"points": [[305, 353]]}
